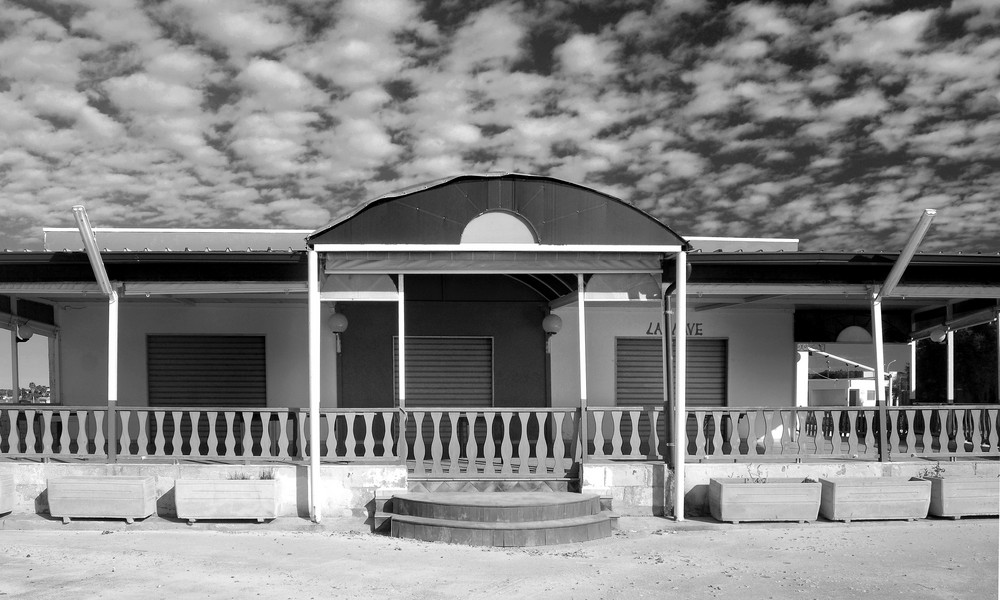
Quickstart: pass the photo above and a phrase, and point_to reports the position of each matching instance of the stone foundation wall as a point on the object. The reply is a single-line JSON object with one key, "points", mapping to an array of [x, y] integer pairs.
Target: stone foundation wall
{"points": [[346, 491]]}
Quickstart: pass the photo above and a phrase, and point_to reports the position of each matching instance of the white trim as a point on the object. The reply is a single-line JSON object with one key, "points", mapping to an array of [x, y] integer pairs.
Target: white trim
{"points": [[314, 341], [493, 248], [359, 296], [902, 292], [200, 288], [692, 238], [547, 271], [174, 230], [680, 383]]}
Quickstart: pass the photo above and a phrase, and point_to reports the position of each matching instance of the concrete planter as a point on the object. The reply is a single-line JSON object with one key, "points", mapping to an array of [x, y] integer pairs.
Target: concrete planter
{"points": [[226, 499], [958, 497], [110, 497], [6, 493], [777, 499], [874, 498]]}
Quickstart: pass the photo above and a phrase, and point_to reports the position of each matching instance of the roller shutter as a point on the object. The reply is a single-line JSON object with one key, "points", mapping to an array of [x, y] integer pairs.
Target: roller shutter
{"points": [[206, 370], [639, 372], [446, 371]]}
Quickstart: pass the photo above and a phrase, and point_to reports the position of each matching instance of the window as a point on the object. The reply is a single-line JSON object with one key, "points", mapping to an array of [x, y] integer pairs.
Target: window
{"points": [[206, 370]]}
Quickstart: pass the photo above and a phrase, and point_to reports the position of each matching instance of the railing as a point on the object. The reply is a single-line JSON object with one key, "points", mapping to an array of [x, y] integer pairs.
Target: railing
{"points": [[506, 443], [235, 435], [843, 432], [514, 443]]}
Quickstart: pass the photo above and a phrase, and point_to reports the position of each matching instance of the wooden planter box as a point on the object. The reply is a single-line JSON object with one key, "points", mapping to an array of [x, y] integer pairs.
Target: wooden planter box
{"points": [[958, 497], [856, 498], [226, 499], [777, 499], [6, 493], [111, 497]]}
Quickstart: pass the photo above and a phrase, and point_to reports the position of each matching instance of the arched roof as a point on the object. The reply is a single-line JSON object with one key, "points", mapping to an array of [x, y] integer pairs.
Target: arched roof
{"points": [[558, 213]]}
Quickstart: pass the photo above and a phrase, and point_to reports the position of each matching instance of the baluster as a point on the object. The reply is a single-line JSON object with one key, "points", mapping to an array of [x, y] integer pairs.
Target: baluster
{"points": [[616, 433], [700, 444], [961, 432], [558, 446], [755, 419], [892, 415], [45, 418], [835, 441], [281, 443], [869, 431], [82, 420], [506, 448], [523, 449], [99, 437], [64, 433], [368, 443], [927, 439], [471, 443], [12, 442], [765, 418], [266, 449], [229, 444], [911, 434], [652, 440], [717, 435], [29, 431], [454, 449], [418, 443], [994, 424], [158, 443], [541, 444], [437, 447], [350, 440], [141, 435], [734, 433], [489, 444], [598, 430], [194, 440], [808, 433], [213, 439], [387, 445], [177, 443], [635, 441], [247, 443]]}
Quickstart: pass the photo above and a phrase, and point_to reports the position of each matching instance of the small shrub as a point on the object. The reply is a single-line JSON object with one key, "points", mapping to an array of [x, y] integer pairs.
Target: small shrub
{"points": [[267, 474], [239, 476]]}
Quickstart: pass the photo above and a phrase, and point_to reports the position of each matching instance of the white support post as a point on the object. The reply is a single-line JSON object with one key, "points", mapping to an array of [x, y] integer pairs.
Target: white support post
{"points": [[680, 381], [950, 351], [581, 293], [880, 399], [402, 346], [913, 371], [113, 376], [15, 381], [314, 324]]}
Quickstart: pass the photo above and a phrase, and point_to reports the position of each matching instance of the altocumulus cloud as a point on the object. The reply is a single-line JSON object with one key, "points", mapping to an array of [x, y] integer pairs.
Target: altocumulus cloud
{"points": [[834, 122]]}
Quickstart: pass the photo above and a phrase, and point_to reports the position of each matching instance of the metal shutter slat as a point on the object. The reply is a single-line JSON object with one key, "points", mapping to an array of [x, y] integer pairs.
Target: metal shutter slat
{"points": [[206, 370]]}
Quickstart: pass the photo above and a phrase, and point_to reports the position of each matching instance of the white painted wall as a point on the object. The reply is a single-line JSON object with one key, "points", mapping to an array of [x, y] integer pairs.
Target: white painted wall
{"points": [[83, 347], [761, 351]]}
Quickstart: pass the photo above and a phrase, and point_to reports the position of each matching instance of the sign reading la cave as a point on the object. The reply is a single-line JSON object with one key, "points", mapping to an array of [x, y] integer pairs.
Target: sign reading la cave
{"points": [[693, 329]]}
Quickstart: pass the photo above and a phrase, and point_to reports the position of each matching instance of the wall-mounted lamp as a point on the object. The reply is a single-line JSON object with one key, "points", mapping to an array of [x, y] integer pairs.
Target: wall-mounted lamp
{"points": [[551, 324], [939, 334], [338, 325], [24, 333]]}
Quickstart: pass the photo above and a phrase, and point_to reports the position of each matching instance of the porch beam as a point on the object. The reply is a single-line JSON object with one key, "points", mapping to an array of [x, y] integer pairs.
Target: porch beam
{"points": [[109, 290], [680, 381], [741, 302], [581, 293], [314, 324], [497, 248]]}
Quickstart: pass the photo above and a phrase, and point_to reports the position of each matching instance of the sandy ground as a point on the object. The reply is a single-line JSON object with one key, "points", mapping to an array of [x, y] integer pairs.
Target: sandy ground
{"points": [[646, 558]]}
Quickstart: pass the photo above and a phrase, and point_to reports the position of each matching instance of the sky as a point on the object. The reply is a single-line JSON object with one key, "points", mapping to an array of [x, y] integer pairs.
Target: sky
{"points": [[835, 123]]}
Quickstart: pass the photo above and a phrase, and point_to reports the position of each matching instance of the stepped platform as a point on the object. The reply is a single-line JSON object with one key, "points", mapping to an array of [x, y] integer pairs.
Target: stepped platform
{"points": [[499, 518]]}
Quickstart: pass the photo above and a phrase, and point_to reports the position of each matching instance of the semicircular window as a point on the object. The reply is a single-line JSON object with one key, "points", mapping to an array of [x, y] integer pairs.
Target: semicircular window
{"points": [[498, 227]]}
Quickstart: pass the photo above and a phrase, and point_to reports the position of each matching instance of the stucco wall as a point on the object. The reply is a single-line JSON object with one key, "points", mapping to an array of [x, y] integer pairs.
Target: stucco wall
{"points": [[84, 333], [761, 352]]}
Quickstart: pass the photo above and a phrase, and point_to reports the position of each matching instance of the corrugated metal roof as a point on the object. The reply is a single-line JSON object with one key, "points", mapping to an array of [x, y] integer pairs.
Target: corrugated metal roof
{"points": [[113, 239]]}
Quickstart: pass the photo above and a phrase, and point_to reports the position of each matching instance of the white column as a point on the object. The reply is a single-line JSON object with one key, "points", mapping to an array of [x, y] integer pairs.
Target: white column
{"points": [[950, 351], [581, 312], [913, 371], [315, 474], [15, 382], [113, 375], [879, 350], [402, 346], [801, 378], [680, 392]]}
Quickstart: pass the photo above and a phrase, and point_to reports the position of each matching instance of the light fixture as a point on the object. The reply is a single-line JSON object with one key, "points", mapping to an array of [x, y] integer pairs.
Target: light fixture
{"points": [[338, 325], [551, 325], [24, 333], [939, 334]]}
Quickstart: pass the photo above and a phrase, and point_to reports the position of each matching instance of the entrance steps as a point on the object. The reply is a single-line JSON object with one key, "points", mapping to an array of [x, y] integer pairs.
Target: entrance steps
{"points": [[498, 518]]}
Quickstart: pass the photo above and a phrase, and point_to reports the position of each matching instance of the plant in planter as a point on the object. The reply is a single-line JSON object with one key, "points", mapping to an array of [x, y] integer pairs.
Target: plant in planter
{"points": [[871, 498], [758, 498], [240, 496], [957, 496]]}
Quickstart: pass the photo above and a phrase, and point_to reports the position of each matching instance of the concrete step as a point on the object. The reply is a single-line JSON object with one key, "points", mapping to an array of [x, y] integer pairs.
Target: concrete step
{"points": [[496, 507], [507, 534]]}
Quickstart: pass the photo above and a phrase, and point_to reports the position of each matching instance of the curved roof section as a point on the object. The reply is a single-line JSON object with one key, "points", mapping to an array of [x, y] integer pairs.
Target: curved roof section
{"points": [[558, 212]]}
